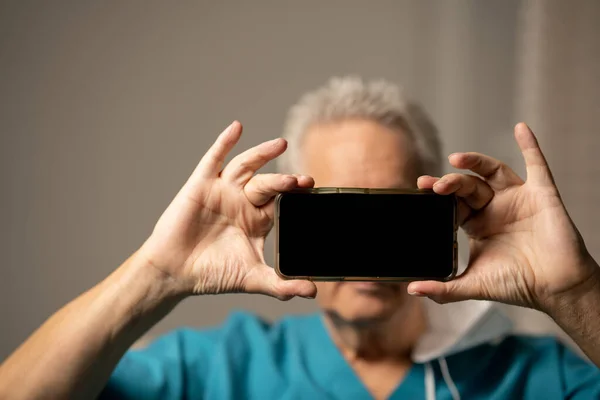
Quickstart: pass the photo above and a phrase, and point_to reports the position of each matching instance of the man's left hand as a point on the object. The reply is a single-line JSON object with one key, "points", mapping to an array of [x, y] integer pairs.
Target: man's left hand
{"points": [[524, 248]]}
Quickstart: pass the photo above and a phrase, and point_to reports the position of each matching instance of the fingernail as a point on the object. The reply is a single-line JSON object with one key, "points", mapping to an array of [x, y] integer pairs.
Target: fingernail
{"points": [[522, 126], [463, 155], [415, 293], [440, 183]]}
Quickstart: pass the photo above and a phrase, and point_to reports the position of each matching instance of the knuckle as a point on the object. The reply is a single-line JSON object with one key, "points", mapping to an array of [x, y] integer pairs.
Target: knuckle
{"points": [[260, 155], [250, 190], [281, 292], [455, 177], [244, 164], [477, 161], [259, 184], [472, 183], [269, 185], [211, 157], [500, 168], [439, 299], [284, 297]]}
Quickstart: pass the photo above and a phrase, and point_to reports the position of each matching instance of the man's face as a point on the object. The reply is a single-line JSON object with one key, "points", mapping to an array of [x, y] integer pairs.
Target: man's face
{"points": [[360, 153]]}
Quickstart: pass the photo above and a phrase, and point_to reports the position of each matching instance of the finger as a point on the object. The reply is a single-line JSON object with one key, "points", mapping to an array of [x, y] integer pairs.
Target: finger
{"points": [[426, 181], [263, 187], [475, 192], [458, 289], [538, 171], [211, 164], [263, 279], [241, 168], [497, 174], [464, 210], [464, 213], [303, 182]]}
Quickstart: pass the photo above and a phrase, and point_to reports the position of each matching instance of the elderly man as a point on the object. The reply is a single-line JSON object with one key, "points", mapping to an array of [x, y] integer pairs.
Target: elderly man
{"points": [[371, 340]]}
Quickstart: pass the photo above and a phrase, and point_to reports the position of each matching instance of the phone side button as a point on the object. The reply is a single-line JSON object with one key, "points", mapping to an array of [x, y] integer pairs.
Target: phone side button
{"points": [[353, 190], [327, 190]]}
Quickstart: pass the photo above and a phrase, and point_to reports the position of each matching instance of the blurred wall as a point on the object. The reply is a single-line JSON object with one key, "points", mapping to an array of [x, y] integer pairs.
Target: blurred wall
{"points": [[106, 107]]}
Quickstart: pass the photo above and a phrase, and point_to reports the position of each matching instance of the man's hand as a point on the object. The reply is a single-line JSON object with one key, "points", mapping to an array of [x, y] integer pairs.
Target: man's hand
{"points": [[524, 248], [210, 239]]}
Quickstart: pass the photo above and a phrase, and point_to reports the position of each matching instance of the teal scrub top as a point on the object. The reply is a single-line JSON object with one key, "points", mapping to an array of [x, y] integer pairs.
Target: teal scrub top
{"points": [[295, 358]]}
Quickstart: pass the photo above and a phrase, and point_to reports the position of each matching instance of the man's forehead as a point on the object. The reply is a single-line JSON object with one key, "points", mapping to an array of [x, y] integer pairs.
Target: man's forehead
{"points": [[359, 153]]}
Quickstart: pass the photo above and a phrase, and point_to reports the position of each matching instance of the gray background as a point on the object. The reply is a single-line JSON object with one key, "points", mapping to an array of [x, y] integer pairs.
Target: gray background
{"points": [[106, 107]]}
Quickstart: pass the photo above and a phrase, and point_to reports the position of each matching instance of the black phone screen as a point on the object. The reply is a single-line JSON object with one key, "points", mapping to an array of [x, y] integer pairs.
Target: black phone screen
{"points": [[405, 236]]}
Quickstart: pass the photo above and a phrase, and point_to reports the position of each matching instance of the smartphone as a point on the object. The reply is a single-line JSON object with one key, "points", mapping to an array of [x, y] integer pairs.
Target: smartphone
{"points": [[333, 234]]}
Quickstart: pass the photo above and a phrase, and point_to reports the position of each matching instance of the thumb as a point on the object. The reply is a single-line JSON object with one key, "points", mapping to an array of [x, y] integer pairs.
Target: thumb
{"points": [[264, 280], [458, 289]]}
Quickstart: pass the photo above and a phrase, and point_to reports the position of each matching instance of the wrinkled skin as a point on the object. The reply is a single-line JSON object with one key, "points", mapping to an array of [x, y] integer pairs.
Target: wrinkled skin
{"points": [[211, 237], [524, 248]]}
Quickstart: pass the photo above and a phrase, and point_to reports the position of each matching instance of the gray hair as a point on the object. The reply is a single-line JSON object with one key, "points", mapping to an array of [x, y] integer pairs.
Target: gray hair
{"points": [[350, 97]]}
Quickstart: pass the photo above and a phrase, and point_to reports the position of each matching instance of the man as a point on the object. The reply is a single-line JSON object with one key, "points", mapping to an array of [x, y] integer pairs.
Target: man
{"points": [[373, 340]]}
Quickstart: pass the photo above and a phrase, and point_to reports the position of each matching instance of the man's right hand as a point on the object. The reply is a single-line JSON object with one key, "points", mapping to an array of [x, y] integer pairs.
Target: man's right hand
{"points": [[211, 237], [209, 240]]}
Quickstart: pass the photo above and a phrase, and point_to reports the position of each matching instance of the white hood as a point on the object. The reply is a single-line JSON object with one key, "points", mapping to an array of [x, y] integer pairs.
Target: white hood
{"points": [[458, 326], [454, 327]]}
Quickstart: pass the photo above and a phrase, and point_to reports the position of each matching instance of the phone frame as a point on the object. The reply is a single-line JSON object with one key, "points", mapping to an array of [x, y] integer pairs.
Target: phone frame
{"points": [[365, 191]]}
